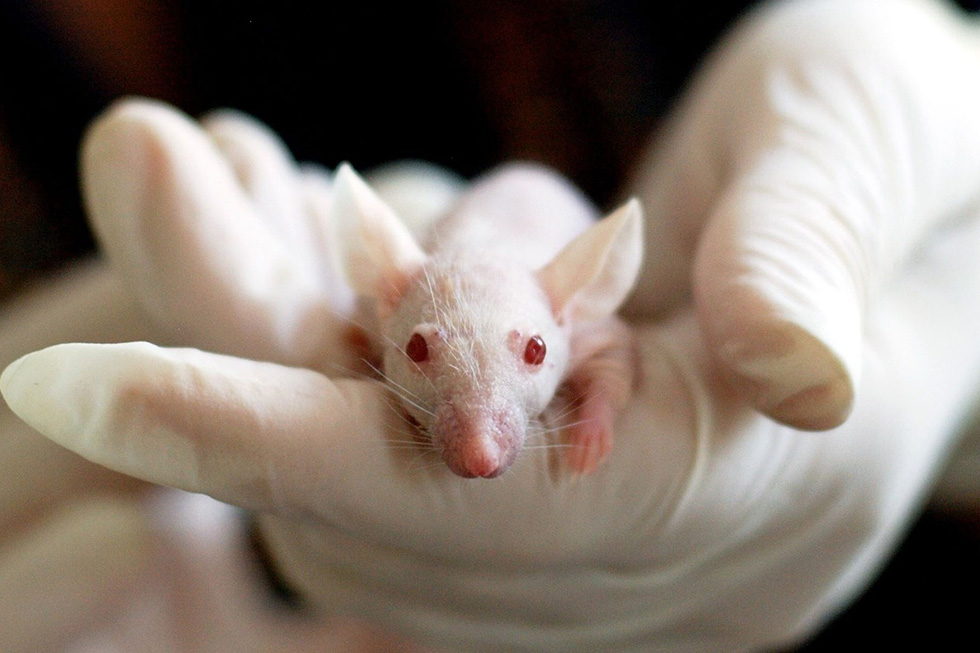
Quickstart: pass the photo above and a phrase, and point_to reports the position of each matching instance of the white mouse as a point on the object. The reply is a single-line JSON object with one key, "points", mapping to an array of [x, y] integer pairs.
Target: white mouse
{"points": [[509, 299]]}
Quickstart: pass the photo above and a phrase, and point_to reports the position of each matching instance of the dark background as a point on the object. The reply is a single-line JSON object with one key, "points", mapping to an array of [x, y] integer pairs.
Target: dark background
{"points": [[576, 84]]}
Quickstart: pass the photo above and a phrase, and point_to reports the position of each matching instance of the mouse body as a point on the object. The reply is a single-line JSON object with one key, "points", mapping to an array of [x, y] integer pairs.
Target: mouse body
{"points": [[506, 300]]}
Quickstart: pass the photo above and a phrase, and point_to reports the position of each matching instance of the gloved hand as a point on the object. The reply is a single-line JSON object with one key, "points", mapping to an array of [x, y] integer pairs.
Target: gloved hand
{"points": [[821, 177], [91, 559]]}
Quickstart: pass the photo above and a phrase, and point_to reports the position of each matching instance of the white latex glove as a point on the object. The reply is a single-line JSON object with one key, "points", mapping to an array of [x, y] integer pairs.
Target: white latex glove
{"points": [[817, 154], [822, 171]]}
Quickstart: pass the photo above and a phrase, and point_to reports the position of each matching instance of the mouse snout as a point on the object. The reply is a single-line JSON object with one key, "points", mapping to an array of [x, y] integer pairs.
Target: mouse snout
{"points": [[476, 458], [480, 445]]}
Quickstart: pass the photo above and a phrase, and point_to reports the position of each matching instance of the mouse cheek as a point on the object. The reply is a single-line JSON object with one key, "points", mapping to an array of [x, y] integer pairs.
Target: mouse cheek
{"points": [[515, 343]]}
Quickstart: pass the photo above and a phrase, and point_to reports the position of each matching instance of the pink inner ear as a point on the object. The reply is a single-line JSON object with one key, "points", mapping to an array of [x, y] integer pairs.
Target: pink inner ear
{"points": [[378, 253], [389, 298], [393, 290], [590, 277], [554, 300], [571, 271]]}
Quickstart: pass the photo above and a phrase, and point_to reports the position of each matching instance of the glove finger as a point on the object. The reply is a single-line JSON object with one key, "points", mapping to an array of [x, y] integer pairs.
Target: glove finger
{"points": [[289, 440], [762, 498], [296, 201], [268, 174], [176, 224], [249, 433], [826, 132]]}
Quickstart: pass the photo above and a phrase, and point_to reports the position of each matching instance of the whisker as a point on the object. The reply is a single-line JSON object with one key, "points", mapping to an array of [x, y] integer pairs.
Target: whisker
{"points": [[384, 338], [562, 415], [392, 383], [549, 445], [422, 462], [407, 397], [401, 352]]}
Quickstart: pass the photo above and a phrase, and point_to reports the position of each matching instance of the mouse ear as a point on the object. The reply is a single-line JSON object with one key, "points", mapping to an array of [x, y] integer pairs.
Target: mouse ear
{"points": [[375, 250], [592, 275]]}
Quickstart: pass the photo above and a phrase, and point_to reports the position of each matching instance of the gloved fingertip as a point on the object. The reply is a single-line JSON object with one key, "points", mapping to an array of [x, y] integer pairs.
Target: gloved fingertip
{"points": [[780, 286], [817, 408], [17, 382], [132, 123], [790, 374], [36, 388], [124, 153], [8, 374], [226, 118]]}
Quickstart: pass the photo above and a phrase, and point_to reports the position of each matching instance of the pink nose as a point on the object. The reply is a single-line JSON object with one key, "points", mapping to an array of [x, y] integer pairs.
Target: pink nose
{"points": [[476, 457], [477, 442]]}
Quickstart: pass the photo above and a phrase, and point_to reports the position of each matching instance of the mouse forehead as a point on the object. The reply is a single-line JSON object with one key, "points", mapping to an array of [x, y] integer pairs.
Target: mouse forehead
{"points": [[478, 297]]}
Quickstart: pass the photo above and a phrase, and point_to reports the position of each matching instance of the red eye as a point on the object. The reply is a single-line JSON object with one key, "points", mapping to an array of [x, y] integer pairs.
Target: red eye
{"points": [[535, 351], [417, 349]]}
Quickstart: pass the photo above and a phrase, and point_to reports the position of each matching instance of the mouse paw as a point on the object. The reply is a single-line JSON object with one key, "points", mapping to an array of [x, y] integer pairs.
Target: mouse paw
{"points": [[591, 436], [598, 386]]}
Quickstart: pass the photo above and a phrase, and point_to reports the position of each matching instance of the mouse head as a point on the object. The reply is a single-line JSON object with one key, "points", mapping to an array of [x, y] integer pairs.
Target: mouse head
{"points": [[476, 344]]}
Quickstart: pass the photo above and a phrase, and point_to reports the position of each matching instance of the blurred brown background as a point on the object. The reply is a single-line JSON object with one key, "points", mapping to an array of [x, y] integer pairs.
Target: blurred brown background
{"points": [[576, 84], [573, 83]]}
